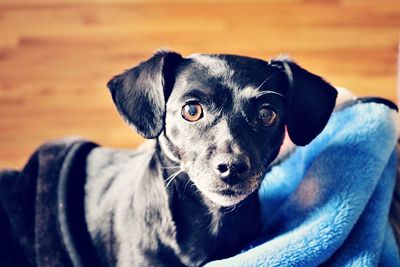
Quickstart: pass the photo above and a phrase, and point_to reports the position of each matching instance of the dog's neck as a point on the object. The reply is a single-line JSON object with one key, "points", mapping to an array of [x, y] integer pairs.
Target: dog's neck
{"points": [[213, 229]]}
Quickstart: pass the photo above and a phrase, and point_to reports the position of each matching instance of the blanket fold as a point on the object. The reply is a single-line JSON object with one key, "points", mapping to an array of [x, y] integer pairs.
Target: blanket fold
{"points": [[323, 204]]}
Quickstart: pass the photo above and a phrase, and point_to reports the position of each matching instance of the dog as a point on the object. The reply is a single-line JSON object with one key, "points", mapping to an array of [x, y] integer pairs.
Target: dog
{"points": [[217, 122]]}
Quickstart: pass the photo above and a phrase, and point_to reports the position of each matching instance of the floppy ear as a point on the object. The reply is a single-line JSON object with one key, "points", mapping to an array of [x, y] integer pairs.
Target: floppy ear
{"points": [[310, 101], [140, 93]]}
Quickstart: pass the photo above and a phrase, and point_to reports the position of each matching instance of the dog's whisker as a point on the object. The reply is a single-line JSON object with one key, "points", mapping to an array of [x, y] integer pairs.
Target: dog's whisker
{"points": [[267, 79], [171, 167], [229, 209], [172, 177], [186, 184], [184, 188]]}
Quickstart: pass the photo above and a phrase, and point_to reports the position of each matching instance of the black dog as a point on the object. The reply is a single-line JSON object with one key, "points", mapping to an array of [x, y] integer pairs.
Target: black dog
{"points": [[218, 121]]}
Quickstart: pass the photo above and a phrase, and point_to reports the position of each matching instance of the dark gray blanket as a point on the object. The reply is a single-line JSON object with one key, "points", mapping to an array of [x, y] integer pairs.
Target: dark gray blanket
{"points": [[42, 219]]}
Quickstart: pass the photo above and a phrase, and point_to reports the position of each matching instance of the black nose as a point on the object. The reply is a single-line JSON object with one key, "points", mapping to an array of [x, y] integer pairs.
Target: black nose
{"points": [[231, 168]]}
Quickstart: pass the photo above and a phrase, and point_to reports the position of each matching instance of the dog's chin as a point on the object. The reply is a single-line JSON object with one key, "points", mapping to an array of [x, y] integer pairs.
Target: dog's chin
{"points": [[226, 198]]}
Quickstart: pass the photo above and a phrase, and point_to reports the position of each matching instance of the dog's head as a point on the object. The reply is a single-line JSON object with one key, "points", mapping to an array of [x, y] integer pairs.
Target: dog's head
{"points": [[223, 117]]}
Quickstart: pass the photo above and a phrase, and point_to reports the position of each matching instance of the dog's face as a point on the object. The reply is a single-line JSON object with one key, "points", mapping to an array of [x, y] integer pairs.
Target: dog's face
{"points": [[223, 116], [225, 119]]}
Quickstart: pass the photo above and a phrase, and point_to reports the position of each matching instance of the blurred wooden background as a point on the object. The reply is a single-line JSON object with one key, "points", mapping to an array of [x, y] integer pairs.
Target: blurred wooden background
{"points": [[57, 55]]}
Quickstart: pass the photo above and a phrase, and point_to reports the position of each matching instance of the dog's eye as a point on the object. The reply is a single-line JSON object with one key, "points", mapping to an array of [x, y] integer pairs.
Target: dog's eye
{"points": [[192, 112], [267, 116]]}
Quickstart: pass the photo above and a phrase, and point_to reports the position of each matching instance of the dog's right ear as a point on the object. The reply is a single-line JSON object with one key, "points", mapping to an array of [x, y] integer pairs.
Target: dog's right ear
{"points": [[141, 93]]}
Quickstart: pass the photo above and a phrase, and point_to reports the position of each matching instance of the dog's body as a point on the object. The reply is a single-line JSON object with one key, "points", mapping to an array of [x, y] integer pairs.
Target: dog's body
{"points": [[218, 121], [137, 221]]}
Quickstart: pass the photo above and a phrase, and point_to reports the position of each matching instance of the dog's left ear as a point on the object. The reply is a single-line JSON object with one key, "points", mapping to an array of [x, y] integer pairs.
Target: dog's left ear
{"points": [[140, 93], [310, 101]]}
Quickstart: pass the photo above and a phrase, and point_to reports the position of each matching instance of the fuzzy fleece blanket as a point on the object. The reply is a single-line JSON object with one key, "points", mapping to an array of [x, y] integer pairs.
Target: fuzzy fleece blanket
{"points": [[323, 204]]}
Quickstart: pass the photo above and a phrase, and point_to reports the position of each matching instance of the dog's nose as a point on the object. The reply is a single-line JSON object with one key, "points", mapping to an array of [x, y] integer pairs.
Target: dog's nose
{"points": [[231, 168]]}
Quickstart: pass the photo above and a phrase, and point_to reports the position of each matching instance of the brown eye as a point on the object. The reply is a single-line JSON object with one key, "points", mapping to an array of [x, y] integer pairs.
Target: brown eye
{"points": [[192, 112], [267, 116]]}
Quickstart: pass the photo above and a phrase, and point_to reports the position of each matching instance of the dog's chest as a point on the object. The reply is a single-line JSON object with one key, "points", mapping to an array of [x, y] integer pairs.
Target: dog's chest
{"points": [[204, 234]]}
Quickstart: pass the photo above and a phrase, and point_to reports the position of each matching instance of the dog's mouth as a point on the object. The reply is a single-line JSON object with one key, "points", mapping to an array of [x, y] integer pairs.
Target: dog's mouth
{"points": [[227, 197]]}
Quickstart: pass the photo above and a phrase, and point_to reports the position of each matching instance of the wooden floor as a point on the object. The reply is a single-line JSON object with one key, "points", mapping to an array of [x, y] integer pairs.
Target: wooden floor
{"points": [[57, 55]]}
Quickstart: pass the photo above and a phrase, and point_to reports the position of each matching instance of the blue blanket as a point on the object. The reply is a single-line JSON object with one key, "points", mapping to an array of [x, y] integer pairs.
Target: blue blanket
{"points": [[328, 202]]}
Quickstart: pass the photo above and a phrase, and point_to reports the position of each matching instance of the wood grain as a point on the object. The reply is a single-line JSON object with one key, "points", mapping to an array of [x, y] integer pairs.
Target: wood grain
{"points": [[57, 55]]}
